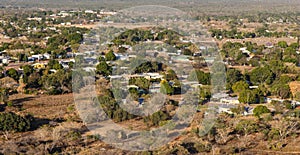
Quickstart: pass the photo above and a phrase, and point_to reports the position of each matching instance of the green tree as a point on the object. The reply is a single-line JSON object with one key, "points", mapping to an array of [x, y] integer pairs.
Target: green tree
{"points": [[282, 44], [246, 127], [248, 96], [205, 93], [294, 46], [277, 67], [156, 118], [198, 75], [27, 69], [34, 80], [288, 104], [140, 82], [110, 56], [103, 68], [13, 74], [165, 88], [171, 75], [113, 110], [260, 110], [233, 76], [74, 38], [144, 67], [281, 90], [58, 83], [262, 75], [3, 95], [240, 86], [54, 64]]}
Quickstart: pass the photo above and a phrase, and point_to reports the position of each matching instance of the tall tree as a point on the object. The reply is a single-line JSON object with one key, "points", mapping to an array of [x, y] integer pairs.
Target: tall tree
{"points": [[240, 86], [110, 56], [165, 88]]}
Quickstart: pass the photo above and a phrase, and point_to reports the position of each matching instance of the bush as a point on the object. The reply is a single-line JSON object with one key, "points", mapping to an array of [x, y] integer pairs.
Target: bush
{"points": [[13, 74], [13, 122], [110, 56], [202, 147], [260, 110], [9, 104], [113, 110], [156, 118], [289, 106]]}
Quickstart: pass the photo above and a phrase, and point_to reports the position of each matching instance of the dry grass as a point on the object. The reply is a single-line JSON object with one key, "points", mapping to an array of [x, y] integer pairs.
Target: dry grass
{"points": [[295, 87], [43, 106], [259, 41]]}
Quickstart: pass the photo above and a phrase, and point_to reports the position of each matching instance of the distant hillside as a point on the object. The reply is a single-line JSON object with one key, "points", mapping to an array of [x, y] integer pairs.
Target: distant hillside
{"points": [[228, 6]]}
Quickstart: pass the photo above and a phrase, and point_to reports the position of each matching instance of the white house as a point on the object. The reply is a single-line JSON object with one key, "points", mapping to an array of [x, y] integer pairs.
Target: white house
{"points": [[38, 57], [245, 51], [223, 108], [89, 11], [154, 75], [132, 86], [46, 56], [230, 100], [155, 88], [253, 87], [248, 111], [121, 56], [89, 69]]}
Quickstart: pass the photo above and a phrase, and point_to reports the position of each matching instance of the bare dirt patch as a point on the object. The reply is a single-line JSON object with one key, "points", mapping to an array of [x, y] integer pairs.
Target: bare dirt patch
{"points": [[295, 87], [43, 106]]}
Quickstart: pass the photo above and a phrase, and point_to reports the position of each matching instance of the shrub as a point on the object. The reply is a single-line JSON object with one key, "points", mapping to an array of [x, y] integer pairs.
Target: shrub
{"points": [[13, 74], [110, 56], [13, 122], [260, 110], [156, 118], [9, 104], [247, 127]]}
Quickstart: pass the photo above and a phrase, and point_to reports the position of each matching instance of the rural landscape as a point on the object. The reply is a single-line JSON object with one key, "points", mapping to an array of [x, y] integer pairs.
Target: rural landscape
{"points": [[149, 77]]}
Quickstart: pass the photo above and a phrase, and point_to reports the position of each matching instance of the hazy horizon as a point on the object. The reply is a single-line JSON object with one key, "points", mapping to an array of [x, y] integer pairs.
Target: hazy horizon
{"points": [[194, 5]]}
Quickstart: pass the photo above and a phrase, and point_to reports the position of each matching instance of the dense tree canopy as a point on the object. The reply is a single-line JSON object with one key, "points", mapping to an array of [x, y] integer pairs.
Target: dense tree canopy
{"points": [[262, 75], [198, 75], [240, 86], [260, 110]]}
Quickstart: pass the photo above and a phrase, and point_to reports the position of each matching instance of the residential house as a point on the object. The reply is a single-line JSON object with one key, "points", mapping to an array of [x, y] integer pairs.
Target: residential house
{"points": [[248, 111], [269, 100], [245, 51], [253, 87], [89, 11], [155, 87], [121, 56], [47, 56], [223, 108], [89, 69], [230, 100]]}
